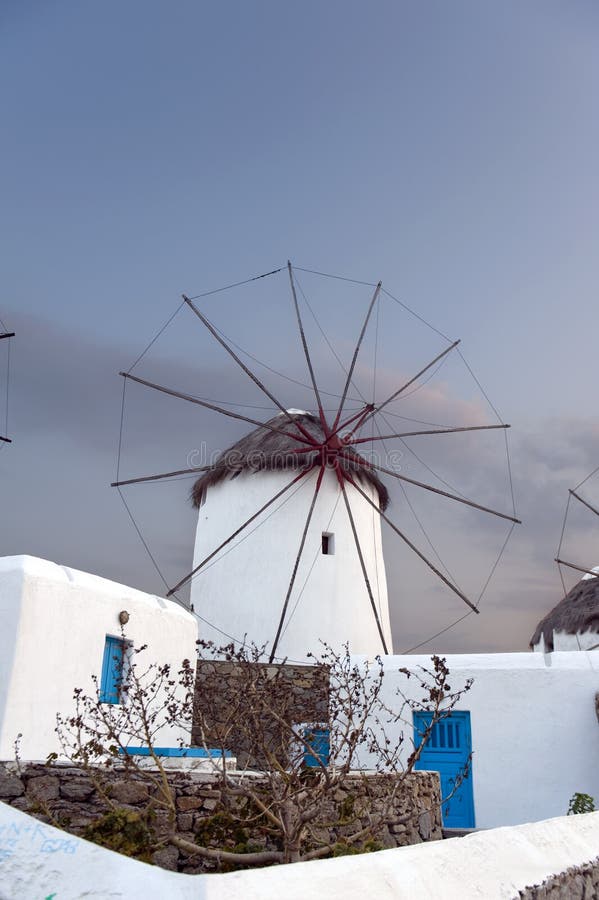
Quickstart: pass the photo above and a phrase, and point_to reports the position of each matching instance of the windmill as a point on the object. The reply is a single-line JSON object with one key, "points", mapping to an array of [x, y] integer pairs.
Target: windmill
{"points": [[576, 495], [288, 546]]}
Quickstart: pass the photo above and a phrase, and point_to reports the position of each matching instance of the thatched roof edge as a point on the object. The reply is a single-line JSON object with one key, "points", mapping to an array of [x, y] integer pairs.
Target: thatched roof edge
{"points": [[265, 449], [576, 613]]}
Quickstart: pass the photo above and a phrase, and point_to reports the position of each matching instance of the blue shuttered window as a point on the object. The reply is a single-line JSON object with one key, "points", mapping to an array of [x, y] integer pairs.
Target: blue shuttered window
{"points": [[319, 741], [113, 664]]}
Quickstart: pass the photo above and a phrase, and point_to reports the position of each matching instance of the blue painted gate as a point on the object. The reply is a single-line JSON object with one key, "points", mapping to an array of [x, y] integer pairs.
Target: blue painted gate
{"points": [[447, 752]]}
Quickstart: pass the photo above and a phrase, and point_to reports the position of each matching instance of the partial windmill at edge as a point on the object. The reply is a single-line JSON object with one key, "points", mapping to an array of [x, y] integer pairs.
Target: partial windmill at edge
{"points": [[573, 624], [274, 587]]}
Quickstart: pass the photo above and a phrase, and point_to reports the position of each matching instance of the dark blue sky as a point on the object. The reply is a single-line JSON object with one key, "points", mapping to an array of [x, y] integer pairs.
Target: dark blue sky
{"points": [[151, 148]]}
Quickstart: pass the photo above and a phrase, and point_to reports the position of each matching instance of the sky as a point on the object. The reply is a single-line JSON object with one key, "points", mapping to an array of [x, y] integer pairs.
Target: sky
{"points": [[449, 149]]}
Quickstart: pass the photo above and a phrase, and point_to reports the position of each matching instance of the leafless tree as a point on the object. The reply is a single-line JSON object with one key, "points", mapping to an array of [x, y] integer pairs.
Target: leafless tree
{"points": [[315, 767]]}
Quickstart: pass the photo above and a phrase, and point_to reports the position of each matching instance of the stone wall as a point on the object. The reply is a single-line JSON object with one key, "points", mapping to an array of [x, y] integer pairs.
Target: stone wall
{"points": [[65, 796], [233, 721], [576, 883]]}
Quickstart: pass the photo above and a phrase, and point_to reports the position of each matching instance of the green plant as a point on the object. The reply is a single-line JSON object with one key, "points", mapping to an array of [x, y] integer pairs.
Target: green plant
{"points": [[124, 831], [223, 830], [341, 848], [581, 803]]}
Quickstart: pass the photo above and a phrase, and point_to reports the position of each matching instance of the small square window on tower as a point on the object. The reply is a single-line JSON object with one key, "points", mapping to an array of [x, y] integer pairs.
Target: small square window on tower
{"points": [[328, 543]]}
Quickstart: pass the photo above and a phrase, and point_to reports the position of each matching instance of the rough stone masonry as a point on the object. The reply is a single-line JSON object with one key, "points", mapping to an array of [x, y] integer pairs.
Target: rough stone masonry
{"points": [[65, 796]]}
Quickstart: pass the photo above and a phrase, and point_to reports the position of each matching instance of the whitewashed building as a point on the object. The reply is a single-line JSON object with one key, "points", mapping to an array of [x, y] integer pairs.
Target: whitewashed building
{"points": [[240, 591], [530, 723], [58, 627]]}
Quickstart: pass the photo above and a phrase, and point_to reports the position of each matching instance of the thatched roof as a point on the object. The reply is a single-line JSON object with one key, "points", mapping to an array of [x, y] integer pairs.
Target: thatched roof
{"points": [[576, 613], [264, 449]]}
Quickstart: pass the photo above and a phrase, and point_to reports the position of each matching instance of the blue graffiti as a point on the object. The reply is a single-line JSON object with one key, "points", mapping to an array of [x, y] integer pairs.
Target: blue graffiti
{"points": [[58, 846], [14, 835]]}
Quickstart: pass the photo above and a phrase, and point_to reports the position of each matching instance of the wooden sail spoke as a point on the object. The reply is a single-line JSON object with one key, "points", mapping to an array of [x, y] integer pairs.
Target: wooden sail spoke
{"points": [[404, 434], [584, 502], [563, 562], [236, 533], [350, 373], [435, 490], [296, 564], [341, 476], [243, 366], [300, 324], [219, 409], [360, 416], [413, 546], [145, 478], [407, 384]]}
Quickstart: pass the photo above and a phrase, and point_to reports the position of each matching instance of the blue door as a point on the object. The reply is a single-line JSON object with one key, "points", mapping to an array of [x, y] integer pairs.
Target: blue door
{"points": [[447, 752]]}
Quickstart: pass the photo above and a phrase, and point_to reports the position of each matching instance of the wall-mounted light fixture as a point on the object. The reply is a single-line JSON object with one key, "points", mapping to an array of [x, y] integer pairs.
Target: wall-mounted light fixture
{"points": [[123, 617]]}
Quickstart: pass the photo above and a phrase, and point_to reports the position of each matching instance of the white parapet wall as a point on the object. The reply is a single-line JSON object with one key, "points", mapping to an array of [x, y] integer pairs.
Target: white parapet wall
{"points": [[535, 734], [53, 626], [39, 861]]}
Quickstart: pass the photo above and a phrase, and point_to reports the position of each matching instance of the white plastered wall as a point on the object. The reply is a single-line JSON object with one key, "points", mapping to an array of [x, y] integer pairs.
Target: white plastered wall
{"points": [[242, 590], [535, 735], [37, 860], [53, 625], [585, 640]]}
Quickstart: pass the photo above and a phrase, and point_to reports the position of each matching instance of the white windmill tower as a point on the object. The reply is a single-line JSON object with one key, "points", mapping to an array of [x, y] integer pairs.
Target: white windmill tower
{"points": [[304, 570], [288, 548]]}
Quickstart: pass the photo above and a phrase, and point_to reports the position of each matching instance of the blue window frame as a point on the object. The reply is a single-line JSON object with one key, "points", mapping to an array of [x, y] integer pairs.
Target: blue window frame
{"points": [[319, 740], [113, 664]]}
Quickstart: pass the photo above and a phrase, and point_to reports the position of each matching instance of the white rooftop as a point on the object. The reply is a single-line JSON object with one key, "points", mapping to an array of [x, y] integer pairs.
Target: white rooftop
{"points": [[33, 567]]}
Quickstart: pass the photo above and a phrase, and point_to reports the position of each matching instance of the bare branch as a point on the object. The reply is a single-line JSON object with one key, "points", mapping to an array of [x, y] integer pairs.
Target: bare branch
{"points": [[240, 859], [292, 812]]}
